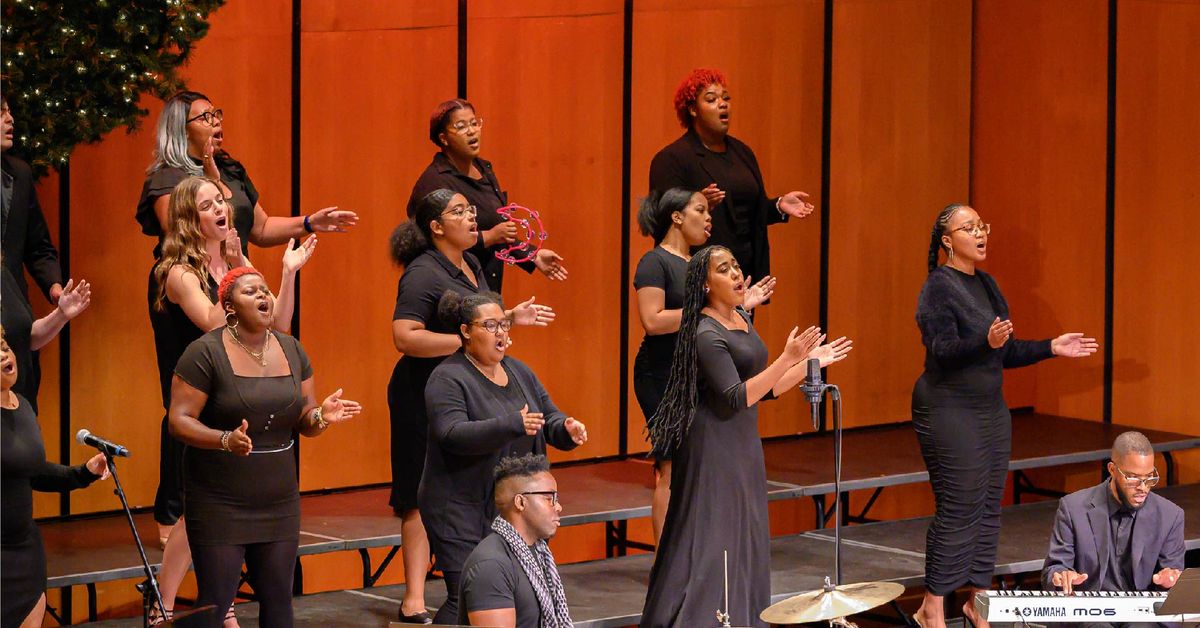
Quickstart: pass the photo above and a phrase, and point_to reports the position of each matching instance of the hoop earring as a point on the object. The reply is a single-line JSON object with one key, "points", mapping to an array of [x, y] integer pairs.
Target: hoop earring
{"points": [[705, 289], [228, 324]]}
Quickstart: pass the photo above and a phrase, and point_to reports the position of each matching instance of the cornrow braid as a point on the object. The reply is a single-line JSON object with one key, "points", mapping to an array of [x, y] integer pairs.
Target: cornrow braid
{"points": [[670, 424], [939, 230]]}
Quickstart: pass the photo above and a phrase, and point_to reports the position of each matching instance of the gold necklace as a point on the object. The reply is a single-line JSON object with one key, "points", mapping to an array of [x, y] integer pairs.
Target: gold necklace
{"points": [[261, 356]]}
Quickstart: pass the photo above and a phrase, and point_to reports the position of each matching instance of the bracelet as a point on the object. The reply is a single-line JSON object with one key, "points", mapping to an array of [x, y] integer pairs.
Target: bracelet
{"points": [[307, 225], [320, 420], [225, 440]]}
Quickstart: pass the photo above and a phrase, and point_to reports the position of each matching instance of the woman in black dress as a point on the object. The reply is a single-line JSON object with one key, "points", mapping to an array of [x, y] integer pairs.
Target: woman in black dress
{"points": [[483, 405], [25, 469], [190, 143], [724, 169], [958, 409], [240, 396], [432, 247], [679, 221], [708, 421], [26, 335], [458, 132], [195, 257]]}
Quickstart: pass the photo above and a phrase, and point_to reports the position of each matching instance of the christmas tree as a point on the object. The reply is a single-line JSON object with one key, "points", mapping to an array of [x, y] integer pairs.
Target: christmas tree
{"points": [[74, 69]]}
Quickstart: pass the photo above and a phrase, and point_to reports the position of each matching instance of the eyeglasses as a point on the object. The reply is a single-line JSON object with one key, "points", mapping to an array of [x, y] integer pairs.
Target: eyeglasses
{"points": [[462, 126], [553, 495], [495, 326], [976, 229], [210, 117], [1133, 481], [459, 211]]}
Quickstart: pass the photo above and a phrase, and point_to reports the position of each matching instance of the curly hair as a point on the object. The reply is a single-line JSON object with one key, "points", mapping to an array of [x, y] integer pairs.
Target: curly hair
{"points": [[414, 236], [441, 114], [521, 466], [689, 90], [455, 309], [183, 244], [654, 214], [939, 229]]}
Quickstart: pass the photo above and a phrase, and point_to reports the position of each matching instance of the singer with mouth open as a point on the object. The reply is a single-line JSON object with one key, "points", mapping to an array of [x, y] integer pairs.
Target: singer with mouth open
{"points": [[25, 469], [483, 405], [958, 409], [708, 423]]}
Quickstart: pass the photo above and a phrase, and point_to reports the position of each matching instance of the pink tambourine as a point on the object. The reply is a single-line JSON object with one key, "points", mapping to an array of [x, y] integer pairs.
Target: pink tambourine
{"points": [[531, 234]]}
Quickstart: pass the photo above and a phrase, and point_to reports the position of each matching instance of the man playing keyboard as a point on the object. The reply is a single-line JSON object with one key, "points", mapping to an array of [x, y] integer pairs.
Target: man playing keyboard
{"points": [[1118, 535]]}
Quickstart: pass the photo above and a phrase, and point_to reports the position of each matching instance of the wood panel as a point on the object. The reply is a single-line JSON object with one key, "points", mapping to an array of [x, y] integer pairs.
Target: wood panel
{"points": [[900, 135], [243, 65], [1156, 287], [363, 143], [775, 74], [547, 77], [1038, 175], [49, 409]]}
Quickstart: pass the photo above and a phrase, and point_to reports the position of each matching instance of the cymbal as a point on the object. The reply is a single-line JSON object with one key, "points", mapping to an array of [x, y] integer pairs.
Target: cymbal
{"points": [[840, 601]]}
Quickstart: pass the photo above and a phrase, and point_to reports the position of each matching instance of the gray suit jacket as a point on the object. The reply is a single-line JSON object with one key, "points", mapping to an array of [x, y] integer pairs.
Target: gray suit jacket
{"points": [[1082, 538]]}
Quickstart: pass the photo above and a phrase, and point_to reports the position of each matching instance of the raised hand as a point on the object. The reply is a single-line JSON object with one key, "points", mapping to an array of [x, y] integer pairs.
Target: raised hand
{"points": [[1073, 345], [758, 293], [210, 163], [526, 313], [1068, 580], [335, 409], [795, 204], [1000, 332], [239, 441], [713, 194], [577, 430], [550, 263], [98, 466], [835, 351], [1167, 577], [75, 298], [295, 258], [800, 344], [332, 220], [233, 248], [532, 421], [503, 233]]}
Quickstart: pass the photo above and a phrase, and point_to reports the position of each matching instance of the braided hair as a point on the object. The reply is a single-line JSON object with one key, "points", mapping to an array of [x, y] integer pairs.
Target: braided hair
{"points": [[939, 230], [413, 237], [654, 214], [454, 309], [670, 424]]}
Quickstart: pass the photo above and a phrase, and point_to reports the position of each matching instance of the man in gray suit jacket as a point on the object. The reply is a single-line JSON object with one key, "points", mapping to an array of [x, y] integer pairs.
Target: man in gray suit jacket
{"points": [[1118, 535]]}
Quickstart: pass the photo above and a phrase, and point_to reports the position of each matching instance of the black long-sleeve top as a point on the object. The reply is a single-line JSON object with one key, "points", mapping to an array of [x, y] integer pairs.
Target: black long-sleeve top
{"points": [[739, 222], [485, 194], [25, 469], [26, 237], [473, 423], [954, 312]]}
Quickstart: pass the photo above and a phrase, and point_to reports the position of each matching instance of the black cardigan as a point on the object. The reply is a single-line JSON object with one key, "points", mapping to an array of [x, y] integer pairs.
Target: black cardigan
{"points": [[954, 329], [682, 164]]}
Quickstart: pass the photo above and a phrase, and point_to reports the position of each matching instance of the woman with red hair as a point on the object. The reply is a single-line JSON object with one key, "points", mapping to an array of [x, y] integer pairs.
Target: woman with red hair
{"points": [[458, 133], [708, 159], [196, 256]]}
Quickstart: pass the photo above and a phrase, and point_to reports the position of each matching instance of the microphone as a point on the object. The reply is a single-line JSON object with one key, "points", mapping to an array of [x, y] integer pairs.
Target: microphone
{"points": [[814, 389], [91, 440]]}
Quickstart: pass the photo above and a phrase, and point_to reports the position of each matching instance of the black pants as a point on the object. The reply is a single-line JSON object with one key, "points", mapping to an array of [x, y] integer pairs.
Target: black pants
{"points": [[448, 613], [168, 500], [269, 570], [966, 442]]}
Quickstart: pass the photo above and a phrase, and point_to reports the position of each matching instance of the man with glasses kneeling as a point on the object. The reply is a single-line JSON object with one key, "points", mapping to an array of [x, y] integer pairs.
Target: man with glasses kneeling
{"points": [[1117, 536], [510, 579]]}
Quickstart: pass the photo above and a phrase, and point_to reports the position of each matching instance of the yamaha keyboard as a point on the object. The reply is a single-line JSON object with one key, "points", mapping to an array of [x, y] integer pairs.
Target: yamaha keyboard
{"points": [[1092, 606]]}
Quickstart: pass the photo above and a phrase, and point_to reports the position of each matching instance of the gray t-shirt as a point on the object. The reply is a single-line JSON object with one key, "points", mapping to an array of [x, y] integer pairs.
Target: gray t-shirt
{"points": [[492, 578]]}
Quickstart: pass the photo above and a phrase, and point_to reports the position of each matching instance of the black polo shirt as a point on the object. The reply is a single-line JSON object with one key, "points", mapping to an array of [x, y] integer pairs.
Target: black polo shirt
{"points": [[425, 280]]}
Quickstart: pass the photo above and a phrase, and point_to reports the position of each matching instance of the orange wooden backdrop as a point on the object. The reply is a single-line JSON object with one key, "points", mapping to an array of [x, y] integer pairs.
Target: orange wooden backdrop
{"points": [[933, 101]]}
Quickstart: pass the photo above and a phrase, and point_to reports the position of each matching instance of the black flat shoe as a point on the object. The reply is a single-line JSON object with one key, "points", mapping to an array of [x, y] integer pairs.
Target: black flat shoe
{"points": [[422, 617]]}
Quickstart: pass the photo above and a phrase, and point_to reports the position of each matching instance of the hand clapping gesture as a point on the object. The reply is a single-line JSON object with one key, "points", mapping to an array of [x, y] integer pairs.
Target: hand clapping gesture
{"points": [[835, 351], [577, 430], [75, 298], [531, 421], [758, 293], [335, 409], [210, 162], [294, 257], [1073, 345], [800, 344], [527, 313]]}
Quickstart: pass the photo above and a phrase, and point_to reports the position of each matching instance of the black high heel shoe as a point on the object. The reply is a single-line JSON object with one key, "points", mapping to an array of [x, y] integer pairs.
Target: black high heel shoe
{"points": [[151, 614], [422, 617]]}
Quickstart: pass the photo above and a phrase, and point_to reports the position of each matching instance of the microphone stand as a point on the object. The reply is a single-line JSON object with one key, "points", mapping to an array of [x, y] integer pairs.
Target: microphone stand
{"points": [[835, 394], [137, 539]]}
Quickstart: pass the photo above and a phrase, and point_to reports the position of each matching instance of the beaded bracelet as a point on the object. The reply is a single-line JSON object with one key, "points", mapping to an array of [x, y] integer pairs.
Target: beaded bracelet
{"points": [[225, 440]]}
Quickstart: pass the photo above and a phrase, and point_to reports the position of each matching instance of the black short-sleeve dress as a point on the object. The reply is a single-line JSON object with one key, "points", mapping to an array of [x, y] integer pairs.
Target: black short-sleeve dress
{"points": [[422, 285], [238, 500], [658, 268], [25, 469]]}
